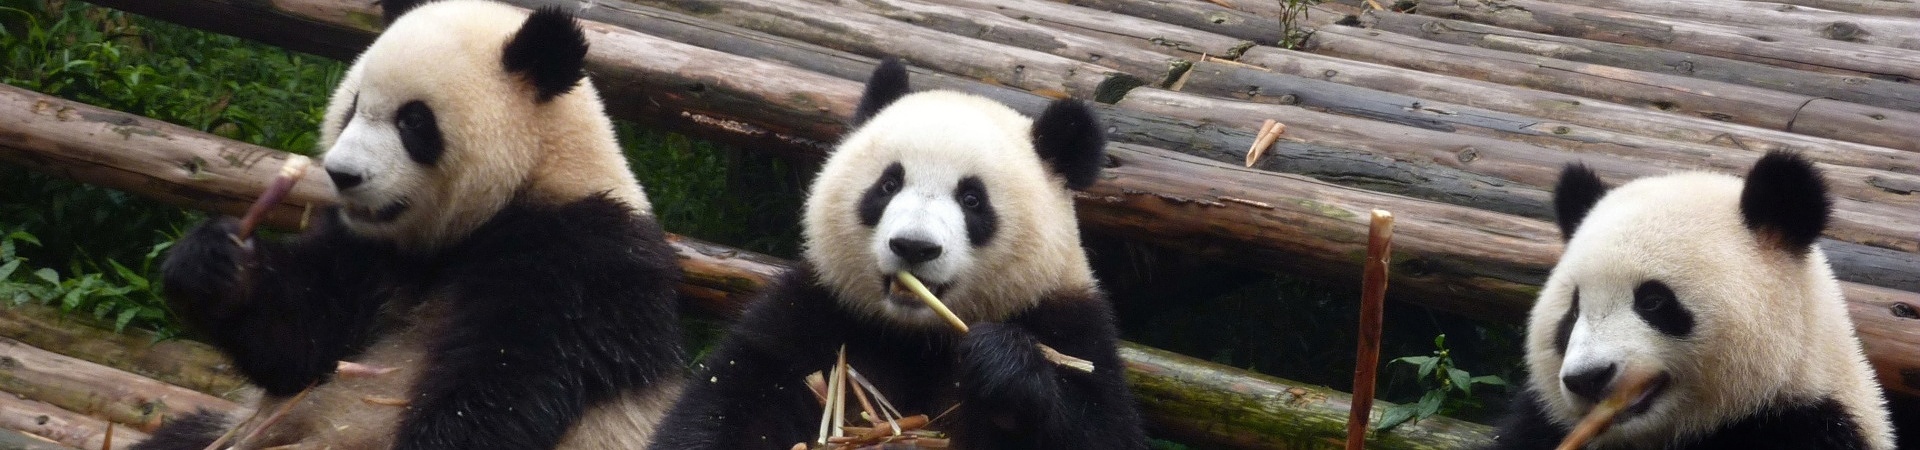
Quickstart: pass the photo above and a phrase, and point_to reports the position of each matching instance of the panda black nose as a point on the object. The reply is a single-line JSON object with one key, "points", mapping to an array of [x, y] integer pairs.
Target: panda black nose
{"points": [[915, 251], [1590, 384], [344, 180]]}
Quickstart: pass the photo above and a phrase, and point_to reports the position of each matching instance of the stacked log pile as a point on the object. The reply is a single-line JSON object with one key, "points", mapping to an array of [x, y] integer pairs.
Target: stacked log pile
{"points": [[1455, 115]]}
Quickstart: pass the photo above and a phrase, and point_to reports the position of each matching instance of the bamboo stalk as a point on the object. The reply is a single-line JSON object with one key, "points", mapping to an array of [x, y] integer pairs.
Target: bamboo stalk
{"points": [[289, 176], [1373, 298], [1632, 385], [920, 290]]}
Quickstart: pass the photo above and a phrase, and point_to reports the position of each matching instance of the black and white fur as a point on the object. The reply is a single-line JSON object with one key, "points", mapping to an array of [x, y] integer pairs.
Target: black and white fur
{"points": [[490, 246], [975, 200], [1713, 284]]}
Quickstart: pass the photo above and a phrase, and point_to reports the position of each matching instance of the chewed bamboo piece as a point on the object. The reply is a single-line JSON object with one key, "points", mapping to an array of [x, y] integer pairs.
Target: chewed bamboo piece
{"points": [[1373, 299], [1632, 386], [920, 290], [1269, 133], [290, 174]]}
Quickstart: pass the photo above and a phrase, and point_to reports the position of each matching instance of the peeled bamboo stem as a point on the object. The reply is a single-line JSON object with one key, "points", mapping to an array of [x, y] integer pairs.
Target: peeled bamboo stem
{"points": [[920, 290]]}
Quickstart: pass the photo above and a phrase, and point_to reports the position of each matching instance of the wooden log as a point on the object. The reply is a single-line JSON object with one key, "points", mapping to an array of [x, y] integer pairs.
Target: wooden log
{"points": [[178, 362], [1869, 194], [1193, 410], [1746, 44], [1576, 110], [1158, 68], [36, 142], [11, 439], [1537, 167], [66, 429], [1895, 8], [337, 29], [872, 35], [93, 389], [1196, 15], [1162, 37], [1715, 100], [1807, 22], [1854, 89], [1424, 180]]}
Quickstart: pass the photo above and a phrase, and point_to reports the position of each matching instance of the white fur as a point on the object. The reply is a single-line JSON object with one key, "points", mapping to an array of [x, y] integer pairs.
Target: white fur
{"points": [[499, 140], [941, 137], [1768, 326]]}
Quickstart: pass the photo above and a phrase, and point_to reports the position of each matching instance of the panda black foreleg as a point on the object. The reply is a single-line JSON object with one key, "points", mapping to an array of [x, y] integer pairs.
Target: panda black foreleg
{"points": [[1527, 427], [193, 431], [1016, 398], [286, 312]]}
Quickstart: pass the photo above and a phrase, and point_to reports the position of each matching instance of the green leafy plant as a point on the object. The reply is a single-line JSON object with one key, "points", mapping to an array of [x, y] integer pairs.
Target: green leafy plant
{"points": [[1292, 12], [1447, 387], [120, 295]]}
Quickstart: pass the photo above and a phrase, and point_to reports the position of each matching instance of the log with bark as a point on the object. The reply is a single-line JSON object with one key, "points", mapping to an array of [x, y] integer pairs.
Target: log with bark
{"points": [[1575, 110], [1894, 8], [188, 364], [1154, 67], [93, 389], [66, 429], [1808, 22], [78, 141], [1774, 47], [869, 34], [1162, 37], [1538, 167], [1855, 89], [11, 439], [1715, 100]]}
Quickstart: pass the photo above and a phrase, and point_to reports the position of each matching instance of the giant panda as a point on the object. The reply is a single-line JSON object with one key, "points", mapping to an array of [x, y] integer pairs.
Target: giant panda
{"points": [[975, 199], [492, 270], [1714, 285]]}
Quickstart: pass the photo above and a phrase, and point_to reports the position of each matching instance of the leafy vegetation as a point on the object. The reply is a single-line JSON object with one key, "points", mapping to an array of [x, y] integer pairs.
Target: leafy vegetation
{"points": [[1292, 34], [1448, 388]]}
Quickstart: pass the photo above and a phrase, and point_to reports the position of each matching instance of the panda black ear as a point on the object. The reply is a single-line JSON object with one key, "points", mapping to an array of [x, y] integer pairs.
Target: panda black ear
{"points": [[549, 52], [1070, 140], [1785, 202], [1578, 191], [391, 10], [888, 83]]}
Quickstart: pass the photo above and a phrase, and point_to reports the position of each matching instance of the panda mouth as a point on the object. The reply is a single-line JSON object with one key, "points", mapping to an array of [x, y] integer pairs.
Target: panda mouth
{"points": [[1647, 398], [901, 296], [377, 215]]}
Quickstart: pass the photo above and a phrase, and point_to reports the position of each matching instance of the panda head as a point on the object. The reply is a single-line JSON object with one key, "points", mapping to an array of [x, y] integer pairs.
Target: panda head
{"points": [[1710, 283], [970, 196], [460, 107]]}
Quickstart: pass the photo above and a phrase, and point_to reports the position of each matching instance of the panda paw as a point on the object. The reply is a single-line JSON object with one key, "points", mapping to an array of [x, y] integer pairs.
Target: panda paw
{"points": [[204, 267], [1001, 366]]}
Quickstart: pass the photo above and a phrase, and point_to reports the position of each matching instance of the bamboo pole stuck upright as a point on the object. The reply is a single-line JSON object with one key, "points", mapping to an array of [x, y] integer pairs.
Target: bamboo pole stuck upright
{"points": [[1373, 296]]}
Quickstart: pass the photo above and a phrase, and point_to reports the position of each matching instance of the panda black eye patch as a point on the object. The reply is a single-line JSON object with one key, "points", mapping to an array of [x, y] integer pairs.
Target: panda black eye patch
{"points": [[353, 109], [1564, 333], [874, 201], [419, 133], [978, 209], [1660, 308]]}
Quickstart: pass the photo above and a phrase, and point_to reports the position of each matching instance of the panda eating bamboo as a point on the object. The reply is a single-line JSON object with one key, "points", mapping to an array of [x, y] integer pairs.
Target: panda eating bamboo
{"points": [[1712, 288], [975, 199], [492, 273]]}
